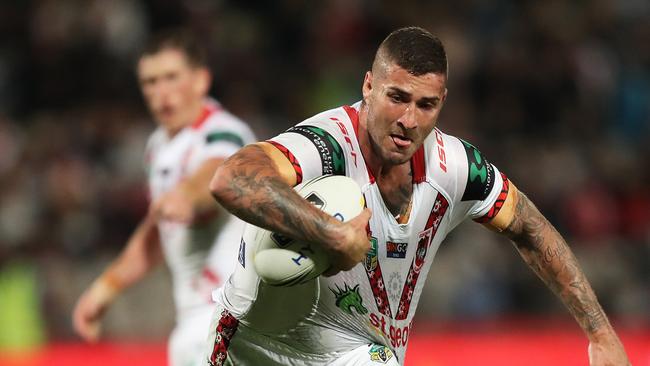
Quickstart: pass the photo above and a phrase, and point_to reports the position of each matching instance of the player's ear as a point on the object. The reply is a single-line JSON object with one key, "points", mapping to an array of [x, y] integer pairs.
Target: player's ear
{"points": [[203, 81], [367, 85]]}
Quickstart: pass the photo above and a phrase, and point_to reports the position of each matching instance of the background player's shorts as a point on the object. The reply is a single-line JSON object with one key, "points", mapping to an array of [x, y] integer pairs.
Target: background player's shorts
{"points": [[187, 341], [232, 343]]}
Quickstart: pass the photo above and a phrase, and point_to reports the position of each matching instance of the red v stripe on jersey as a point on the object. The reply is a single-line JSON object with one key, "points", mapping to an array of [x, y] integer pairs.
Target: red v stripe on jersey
{"points": [[376, 279], [418, 166], [424, 241], [353, 114], [207, 110], [226, 329]]}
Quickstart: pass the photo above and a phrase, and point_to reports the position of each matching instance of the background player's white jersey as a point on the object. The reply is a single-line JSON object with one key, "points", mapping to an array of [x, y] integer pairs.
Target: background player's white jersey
{"points": [[202, 255], [375, 301]]}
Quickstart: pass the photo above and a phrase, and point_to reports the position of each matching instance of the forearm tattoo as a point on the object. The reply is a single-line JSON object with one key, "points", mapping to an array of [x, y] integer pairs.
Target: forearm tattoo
{"points": [[548, 254], [257, 194]]}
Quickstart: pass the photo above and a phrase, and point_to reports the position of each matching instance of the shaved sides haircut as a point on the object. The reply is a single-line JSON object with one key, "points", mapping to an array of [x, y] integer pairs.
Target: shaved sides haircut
{"points": [[415, 50]]}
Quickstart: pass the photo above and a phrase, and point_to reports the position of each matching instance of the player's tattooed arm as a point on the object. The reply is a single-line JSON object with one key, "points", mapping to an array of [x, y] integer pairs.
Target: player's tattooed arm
{"points": [[252, 189], [547, 253], [251, 185]]}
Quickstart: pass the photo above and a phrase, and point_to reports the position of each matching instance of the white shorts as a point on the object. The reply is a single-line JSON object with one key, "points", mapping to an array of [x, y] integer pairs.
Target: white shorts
{"points": [[188, 340], [232, 343]]}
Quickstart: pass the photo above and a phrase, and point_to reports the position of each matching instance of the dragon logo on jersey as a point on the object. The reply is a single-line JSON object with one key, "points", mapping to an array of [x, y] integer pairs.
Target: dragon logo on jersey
{"points": [[380, 353], [348, 299], [371, 258], [480, 177], [331, 153]]}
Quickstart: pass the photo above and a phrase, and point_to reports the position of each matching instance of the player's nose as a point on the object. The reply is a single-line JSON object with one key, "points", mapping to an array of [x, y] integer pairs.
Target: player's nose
{"points": [[408, 119]]}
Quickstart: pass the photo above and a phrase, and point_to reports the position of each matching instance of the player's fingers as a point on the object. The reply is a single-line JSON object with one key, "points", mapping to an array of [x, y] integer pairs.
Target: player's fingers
{"points": [[90, 331], [79, 315], [86, 327], [93, 331], [365, 215]]}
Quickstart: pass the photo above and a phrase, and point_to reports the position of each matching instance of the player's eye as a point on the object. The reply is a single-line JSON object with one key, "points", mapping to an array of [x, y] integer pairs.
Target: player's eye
{"points": [[427, 106], [396, 98], [172, 76], [147, 82]]}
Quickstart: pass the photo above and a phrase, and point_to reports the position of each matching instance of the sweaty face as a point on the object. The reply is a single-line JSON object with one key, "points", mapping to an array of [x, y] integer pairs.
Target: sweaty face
{"points": [[172, 88], [402, 110]]}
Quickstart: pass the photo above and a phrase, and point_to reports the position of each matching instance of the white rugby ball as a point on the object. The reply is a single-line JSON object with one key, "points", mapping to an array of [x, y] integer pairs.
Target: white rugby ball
{"points": [[282, 261]]}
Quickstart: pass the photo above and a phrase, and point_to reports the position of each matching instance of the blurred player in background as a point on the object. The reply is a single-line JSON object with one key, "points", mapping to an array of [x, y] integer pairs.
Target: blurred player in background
{"points": [[183, 226], [419, 182]]}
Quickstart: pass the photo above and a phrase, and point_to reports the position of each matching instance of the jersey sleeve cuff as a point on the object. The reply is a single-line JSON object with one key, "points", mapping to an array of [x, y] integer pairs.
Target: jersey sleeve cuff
{"points": [[292, 159], [498, 203]]}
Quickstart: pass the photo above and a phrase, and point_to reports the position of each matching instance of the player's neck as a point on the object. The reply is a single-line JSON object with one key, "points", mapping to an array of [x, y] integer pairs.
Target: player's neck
{"points": [[191, 116]]}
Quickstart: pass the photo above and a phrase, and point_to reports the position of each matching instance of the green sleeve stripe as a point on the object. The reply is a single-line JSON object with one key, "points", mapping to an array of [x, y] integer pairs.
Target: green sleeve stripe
{"points": [[331, 154], [480, 174], [224, 136]]}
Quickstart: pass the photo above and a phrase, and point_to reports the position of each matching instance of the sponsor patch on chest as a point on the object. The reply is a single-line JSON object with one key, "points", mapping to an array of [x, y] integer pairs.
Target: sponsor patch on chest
{"points": [[396, 250]]}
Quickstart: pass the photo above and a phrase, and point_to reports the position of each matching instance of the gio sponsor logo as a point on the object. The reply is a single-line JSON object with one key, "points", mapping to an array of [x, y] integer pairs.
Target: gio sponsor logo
{"points": [[396, 250], [480, 176], [348, 299], [379, 353]]}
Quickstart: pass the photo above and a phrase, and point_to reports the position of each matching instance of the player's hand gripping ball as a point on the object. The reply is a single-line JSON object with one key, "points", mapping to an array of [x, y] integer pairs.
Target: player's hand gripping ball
{"points": [[282, 261]]}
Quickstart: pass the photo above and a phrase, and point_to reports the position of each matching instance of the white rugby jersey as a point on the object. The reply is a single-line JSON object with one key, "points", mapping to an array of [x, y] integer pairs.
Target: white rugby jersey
{"points": [[200, 256], [376, 300]]}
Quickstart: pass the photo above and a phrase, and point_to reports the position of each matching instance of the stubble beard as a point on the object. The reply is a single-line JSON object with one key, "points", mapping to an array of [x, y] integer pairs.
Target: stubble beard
{"points": [[387, 156]]}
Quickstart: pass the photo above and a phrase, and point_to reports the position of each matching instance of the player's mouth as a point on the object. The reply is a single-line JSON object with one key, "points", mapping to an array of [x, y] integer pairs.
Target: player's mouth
{"points": [[166, 111], [401, 141]]}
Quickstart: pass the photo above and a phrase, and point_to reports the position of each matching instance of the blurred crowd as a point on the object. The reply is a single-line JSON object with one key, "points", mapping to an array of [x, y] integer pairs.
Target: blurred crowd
{"points": [[555, 93]]}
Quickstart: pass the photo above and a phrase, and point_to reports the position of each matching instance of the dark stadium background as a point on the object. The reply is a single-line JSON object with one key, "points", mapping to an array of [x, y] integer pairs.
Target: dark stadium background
{"points": [[555, 93]]}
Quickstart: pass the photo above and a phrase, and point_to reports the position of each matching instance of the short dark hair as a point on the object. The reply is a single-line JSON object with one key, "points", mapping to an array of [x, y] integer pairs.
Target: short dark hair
{"points": [[179, 39], [415, 50]]}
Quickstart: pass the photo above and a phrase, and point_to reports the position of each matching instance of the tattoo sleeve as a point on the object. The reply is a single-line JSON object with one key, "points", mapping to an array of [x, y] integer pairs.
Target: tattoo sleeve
{"points": [[249, 186], [547, 253]]}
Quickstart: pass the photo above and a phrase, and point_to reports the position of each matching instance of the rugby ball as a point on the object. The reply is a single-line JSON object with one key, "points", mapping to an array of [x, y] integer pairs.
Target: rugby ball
{"points": [[283, 261]]}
